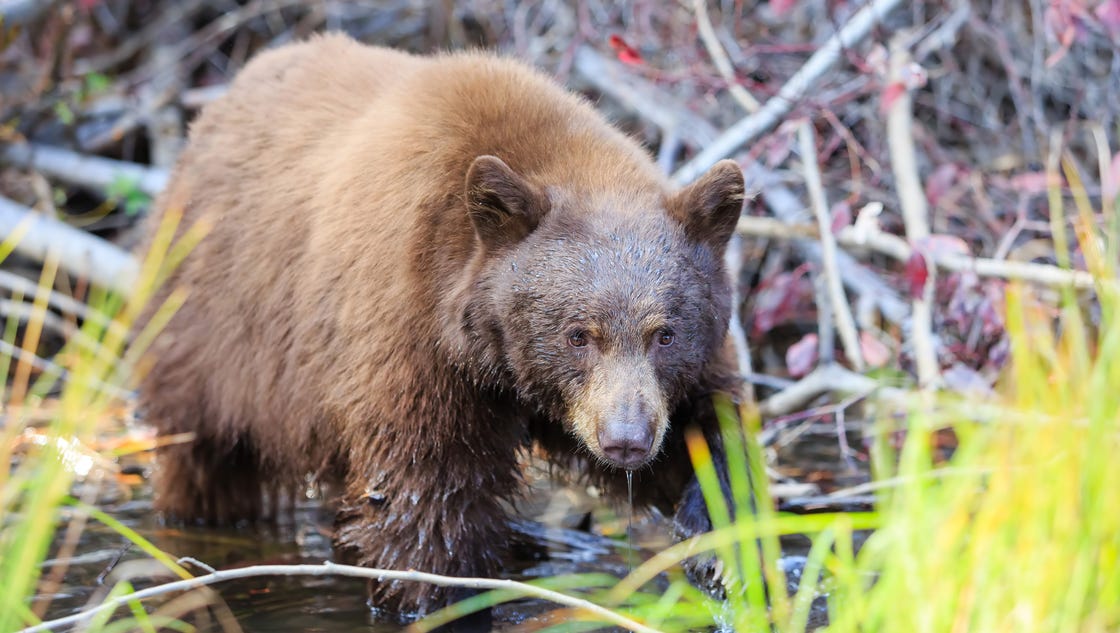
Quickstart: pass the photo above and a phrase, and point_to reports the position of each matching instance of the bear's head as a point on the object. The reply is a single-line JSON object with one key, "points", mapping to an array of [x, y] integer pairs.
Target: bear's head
{"points": [[604, 309]]}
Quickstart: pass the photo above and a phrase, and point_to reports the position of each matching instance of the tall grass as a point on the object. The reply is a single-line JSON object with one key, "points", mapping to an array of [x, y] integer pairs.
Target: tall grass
{"points": [[89, 375], [1018, 531]]}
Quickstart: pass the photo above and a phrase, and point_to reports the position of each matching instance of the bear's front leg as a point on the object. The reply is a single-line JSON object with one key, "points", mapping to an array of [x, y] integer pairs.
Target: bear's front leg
{"points": [[692, 516], [436, 510]]}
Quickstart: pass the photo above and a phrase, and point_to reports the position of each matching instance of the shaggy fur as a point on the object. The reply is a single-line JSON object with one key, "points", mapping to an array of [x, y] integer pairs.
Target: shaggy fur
{"points": [[419, 267]]}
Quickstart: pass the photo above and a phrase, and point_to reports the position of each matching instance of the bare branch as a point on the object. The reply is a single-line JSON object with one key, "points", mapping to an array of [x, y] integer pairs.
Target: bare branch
{"points": [[79, 252], [915, 213], [790, 94], [824, 379], [733, 262], [719, 57], [841, 311], [85, 171], [21, 285], [611, 78], [860, 238]]}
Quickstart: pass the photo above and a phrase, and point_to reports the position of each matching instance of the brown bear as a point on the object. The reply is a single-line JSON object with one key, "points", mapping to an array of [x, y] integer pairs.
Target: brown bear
{"points": [[418, 268]]}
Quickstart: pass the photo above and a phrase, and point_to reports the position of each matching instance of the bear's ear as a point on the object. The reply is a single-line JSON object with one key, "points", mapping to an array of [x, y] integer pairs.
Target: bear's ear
{"points": [[503, 206], [709, 208]]}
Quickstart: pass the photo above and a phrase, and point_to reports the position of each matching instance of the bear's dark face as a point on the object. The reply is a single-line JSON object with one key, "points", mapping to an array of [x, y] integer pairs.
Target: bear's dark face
{"points": [[605, 314]]}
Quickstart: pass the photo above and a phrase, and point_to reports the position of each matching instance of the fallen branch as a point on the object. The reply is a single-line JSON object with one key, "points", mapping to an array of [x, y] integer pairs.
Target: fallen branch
{"points": [[915, 212], [26, 312], [652, 103], [332, 569], [82, 254], [858, 238], [788, 209], [85, 171], [841, 311], [816, 382], [898, 248], [719, 57], [790, 94], [824, 379]]}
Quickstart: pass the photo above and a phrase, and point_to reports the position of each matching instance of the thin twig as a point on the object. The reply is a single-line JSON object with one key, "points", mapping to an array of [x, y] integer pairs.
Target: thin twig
{"points": [[826, 325], [840, 309], [332, 569], [47, 367], [733, 256], [68, 305], [195, 98], [719, 58], [771, 113], [25, 312], [175, 13], [164, 123], [915, 213], [733, 261]]}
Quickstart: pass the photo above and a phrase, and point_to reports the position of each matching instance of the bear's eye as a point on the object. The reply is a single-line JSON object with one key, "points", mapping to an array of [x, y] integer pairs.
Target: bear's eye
{"points": [[665, 338], [577, 338]]}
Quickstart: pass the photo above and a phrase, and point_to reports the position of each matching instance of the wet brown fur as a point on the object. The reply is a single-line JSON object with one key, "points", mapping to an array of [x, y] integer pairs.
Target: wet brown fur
{"points": [[329, 327]]}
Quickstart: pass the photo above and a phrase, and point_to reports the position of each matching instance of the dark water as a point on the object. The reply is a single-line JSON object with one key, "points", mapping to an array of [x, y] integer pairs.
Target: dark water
{"points": [[614, 542], [101, 557]]}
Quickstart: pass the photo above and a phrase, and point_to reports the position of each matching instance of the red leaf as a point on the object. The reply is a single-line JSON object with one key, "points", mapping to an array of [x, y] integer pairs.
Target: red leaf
{"points": [[802, 356], [875, 354], [841, 216], [916, 274], [940, 182], [782, 7], [891, 93], [1108, 12], [778, 298], [626, 54]]}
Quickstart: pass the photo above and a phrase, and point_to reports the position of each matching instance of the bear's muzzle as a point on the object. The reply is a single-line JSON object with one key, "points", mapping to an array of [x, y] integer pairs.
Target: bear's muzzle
{"points": [[621, 414]]}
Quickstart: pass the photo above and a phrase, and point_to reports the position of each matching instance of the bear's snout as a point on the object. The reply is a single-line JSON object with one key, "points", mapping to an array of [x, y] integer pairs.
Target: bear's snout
{"points": [[621, 414], [626, 443]]}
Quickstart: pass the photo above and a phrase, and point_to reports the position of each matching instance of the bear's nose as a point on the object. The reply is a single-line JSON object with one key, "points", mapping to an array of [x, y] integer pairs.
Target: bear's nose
{"points": [[626, 444]]}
